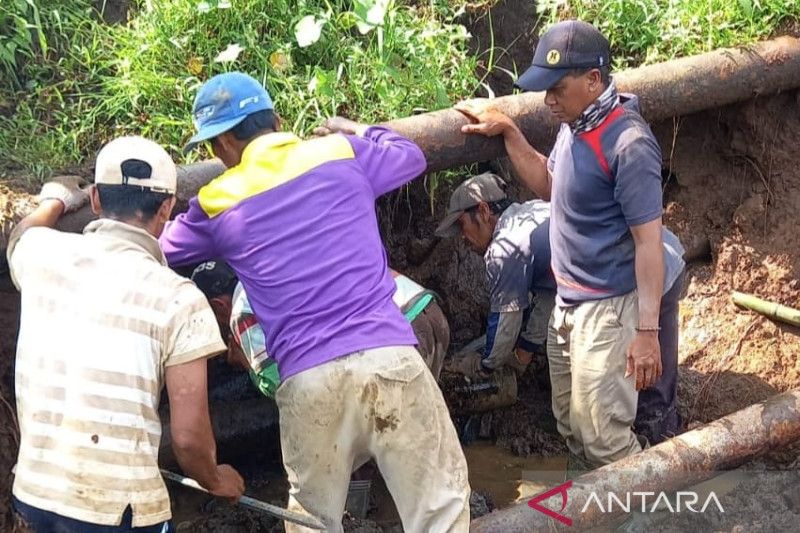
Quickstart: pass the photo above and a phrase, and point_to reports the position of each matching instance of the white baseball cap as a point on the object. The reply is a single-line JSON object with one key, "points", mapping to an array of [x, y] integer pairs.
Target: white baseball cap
{"points": [[136, 161]]}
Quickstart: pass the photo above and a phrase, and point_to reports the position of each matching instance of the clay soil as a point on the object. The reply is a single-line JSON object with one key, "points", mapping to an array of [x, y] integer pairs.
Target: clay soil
{"points": [[9, 433]]}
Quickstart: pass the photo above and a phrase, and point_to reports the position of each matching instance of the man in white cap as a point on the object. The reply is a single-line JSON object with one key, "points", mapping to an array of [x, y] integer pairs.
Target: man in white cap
{"points": [[104, 325]]}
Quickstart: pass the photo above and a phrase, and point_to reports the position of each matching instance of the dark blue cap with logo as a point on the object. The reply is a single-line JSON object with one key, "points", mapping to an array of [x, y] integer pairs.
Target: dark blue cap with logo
{"points": [[223, 102], [214, 278], [566, 46]]}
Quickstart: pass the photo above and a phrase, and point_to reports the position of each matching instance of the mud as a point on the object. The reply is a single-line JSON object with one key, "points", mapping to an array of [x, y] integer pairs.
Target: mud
{"points": [[743, 159]]}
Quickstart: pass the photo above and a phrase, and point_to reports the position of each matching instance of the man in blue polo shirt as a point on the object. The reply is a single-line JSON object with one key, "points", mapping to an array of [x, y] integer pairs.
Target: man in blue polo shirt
{"points": [[603, 178]]}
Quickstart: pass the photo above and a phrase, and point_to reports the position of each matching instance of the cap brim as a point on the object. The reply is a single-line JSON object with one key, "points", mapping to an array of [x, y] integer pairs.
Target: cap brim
{"points": [[447, 227], [210, 131], [538, 78]]}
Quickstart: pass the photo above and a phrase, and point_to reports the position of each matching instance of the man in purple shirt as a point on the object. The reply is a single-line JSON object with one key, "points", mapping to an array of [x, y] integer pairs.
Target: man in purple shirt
{"points": [[296, 222]]}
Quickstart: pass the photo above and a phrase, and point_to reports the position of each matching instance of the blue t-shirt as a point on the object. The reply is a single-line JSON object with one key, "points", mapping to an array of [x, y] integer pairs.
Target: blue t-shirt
{"points": [[604, 181], [518, 258]]}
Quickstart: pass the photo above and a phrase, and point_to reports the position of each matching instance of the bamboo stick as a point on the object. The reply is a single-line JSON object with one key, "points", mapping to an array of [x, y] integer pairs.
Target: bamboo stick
{"points": [[769, 309]]}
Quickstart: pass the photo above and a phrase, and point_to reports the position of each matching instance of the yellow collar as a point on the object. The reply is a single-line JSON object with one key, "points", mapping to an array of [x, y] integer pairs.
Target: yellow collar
{"points": [[268, 141]]}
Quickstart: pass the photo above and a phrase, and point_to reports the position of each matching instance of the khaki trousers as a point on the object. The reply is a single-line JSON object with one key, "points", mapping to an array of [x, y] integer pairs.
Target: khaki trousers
{"points": [[383, 404], [594, 404], [433, 337]]}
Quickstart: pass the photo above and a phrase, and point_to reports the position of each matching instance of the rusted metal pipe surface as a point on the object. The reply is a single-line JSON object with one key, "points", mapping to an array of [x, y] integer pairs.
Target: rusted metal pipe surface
{"points": [[679, 462], [673, 88], [665, 90]]}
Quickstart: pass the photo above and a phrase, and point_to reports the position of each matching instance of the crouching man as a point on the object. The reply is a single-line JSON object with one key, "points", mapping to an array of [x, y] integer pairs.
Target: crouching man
{"points": [[513, 239]]}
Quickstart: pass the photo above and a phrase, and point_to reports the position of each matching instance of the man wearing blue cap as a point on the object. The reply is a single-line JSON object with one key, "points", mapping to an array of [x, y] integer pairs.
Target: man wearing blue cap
{"points": [[296, 221], [603, 178]]}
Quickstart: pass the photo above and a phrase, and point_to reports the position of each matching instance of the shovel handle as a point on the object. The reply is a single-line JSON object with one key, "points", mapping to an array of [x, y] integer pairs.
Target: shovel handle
{"points": [[247, 501]]}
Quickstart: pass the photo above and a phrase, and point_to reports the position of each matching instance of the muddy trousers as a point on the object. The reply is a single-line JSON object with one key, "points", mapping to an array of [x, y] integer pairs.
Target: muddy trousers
{"points": [[657, 415], [433, 337], [383, 404], [593, 402]]}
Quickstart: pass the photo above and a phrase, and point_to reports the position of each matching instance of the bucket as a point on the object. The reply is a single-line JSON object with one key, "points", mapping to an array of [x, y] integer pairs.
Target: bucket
{"points": [[357, 503]]}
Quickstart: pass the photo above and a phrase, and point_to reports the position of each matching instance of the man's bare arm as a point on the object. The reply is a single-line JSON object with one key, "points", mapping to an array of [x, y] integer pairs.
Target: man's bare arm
{"points": [[644, 354], [192, 435], [529, 163]]}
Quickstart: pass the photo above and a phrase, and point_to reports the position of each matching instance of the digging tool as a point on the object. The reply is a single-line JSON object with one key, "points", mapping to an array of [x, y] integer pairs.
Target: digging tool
{"points": [[769, 309], [252, 503]]}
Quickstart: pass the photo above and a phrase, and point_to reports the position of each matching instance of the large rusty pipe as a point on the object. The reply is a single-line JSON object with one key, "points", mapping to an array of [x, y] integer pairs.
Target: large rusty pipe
{"points": [[679, 462], [673, 88]]}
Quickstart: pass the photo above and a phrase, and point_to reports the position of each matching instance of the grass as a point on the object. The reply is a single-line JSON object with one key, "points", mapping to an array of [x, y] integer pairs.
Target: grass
{"points": [[71, 82], [98, 81], [649, 31]]}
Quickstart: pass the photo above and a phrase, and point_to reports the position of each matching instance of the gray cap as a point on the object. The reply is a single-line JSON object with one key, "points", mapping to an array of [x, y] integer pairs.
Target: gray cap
{"points": [[486, 187]]}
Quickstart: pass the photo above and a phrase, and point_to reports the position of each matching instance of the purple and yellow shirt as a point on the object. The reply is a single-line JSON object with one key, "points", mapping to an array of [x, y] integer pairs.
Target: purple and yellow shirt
{"points": [[296, 221]]}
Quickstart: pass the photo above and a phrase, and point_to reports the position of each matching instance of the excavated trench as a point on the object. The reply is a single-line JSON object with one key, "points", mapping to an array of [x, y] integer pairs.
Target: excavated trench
{"points": [[731, 193], [732, 188]]}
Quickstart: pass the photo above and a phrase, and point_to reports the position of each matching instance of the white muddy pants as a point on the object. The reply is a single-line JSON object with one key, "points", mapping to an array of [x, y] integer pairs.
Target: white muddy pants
{"points": [[383, 404]]}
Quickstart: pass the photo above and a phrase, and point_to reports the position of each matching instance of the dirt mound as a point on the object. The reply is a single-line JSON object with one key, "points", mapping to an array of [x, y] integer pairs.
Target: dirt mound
{"points": [[735, 180]]}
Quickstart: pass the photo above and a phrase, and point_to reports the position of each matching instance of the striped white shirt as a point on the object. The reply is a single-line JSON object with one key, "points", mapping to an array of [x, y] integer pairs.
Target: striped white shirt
{"points": [[102, 316]]}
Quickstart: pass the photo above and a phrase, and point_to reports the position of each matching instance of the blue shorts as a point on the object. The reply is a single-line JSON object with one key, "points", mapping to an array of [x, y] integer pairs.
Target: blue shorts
{"points": [[48, 522]]}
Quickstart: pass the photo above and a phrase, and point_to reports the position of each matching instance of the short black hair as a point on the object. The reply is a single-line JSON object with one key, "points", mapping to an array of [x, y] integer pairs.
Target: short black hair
{"points": [[255, 124], [605, 73], [127, 202]]}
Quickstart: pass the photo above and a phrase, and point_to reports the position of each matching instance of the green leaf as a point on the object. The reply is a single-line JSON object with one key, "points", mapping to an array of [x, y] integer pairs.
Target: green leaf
{"points": [[747, 7]]}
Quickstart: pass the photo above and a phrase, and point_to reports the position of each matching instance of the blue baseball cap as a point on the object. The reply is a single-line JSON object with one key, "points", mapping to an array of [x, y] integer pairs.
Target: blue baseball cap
{"points": [[223, 102], [568, 45]]}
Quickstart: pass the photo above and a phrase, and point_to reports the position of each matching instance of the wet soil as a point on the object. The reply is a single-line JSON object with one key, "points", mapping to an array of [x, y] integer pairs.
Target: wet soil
{"points": [[735, 180]]}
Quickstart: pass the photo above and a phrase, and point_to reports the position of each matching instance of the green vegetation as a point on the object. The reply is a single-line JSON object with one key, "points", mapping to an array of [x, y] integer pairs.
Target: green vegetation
{"points": [[76, 82], [72, 82], [649, 31]]}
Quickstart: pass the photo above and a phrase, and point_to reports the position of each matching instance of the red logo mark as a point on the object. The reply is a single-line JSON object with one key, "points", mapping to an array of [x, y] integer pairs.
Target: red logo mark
{"points": [[561, 489]]}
